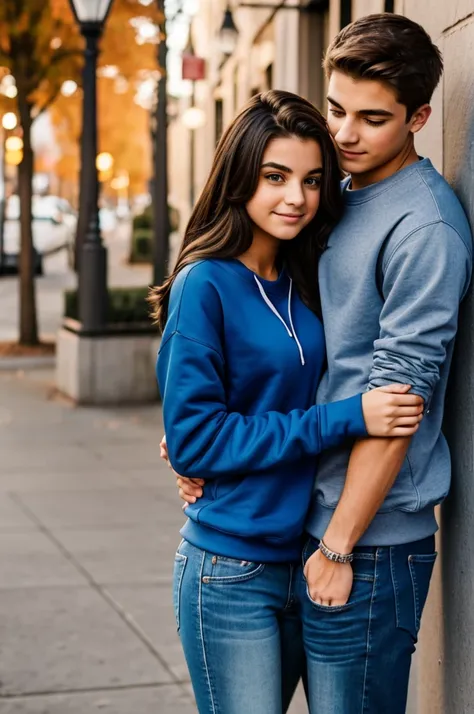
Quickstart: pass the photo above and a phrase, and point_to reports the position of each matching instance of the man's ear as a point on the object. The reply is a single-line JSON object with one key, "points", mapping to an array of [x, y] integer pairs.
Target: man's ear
{"points": [[419, 118]]}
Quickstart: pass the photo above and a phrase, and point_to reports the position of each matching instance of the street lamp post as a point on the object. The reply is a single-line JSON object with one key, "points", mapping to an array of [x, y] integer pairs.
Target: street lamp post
{"points": [[160, 154], [91, 252]]}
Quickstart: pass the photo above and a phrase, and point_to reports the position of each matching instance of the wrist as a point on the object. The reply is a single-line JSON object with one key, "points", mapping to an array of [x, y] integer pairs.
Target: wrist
{"points": [[338, 543], [334, 556]]}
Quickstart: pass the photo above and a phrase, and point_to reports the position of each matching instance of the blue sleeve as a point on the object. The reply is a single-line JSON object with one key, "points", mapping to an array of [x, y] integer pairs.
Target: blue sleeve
{"points": [[424, 280], [204, 439]]}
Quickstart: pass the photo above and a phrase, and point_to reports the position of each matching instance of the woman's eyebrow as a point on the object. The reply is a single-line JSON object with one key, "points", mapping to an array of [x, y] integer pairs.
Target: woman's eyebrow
{"points": [[280, 167], [286, 169]]}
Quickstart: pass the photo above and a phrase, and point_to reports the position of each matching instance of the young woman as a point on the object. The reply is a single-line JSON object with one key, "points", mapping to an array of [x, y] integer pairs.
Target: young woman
{"points": [[239, 364]]}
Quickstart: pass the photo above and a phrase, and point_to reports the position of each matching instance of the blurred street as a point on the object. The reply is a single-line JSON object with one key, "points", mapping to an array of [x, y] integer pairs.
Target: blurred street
{"points": [[89, 521], [58, 277]]}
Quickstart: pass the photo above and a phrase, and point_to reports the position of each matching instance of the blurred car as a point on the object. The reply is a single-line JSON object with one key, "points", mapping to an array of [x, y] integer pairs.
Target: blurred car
{"points": [[54, 229]]}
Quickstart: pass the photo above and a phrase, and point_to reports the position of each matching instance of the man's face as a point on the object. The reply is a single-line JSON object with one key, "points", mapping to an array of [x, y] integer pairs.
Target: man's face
{"points": [[369, 126]]}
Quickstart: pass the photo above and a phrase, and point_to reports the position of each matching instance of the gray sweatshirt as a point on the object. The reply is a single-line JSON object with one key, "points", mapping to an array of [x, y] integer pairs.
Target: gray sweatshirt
{"points": [[397, 266]]}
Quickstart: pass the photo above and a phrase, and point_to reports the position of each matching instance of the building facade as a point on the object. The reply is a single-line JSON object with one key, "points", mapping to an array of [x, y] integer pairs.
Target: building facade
{"points": [[282, 48]]}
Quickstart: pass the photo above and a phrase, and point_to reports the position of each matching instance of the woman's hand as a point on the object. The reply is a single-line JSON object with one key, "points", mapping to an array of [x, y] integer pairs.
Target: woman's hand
{"points": [[390, 411], [189, 489]]}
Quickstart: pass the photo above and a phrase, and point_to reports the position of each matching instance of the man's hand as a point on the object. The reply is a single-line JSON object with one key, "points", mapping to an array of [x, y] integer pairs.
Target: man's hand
{"points": [[329, 583], [189, 489]]}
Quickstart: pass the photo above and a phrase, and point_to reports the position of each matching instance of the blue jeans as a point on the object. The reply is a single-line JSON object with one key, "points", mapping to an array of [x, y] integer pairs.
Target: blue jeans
{"points": [[240, 630], [359, 655]]}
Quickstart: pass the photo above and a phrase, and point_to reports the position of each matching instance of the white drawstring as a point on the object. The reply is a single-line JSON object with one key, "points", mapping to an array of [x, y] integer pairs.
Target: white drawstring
{"points": [[291, 332], [292, 326]]}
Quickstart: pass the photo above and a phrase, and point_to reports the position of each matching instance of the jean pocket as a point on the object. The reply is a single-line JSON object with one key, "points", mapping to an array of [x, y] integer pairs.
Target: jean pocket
{"points": [[421, 569], [179, 567], [225, 571], [411, 580], [363, 572]]}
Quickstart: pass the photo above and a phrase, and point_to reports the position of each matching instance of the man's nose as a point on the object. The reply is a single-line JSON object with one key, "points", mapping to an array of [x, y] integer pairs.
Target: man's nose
{"points": [[347, 133]]}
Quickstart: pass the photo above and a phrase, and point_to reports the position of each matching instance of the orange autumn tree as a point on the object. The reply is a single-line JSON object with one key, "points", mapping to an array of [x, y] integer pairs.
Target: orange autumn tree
{"points": [[41, 47]]}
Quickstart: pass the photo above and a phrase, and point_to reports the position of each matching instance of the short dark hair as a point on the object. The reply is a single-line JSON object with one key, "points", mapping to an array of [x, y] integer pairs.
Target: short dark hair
{"points": [[392, 49]]}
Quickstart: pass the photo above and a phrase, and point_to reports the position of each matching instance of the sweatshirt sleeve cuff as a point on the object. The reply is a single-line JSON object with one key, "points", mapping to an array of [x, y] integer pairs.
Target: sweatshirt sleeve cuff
{"points": [[346, 418], [354, 407]]}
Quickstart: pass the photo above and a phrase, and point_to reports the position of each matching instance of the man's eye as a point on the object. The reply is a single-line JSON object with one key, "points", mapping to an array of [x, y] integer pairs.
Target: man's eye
{"points": [[336, 112], [372, 122]]}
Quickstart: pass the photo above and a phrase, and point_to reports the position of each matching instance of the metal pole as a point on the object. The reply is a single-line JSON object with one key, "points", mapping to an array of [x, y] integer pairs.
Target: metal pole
{"points": [[3, 195], [160, 184], [89, 31], [93, 254]]}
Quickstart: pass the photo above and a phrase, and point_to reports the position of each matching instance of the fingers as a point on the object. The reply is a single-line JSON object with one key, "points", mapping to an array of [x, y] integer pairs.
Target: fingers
{"points": [[407, 421], [406, 400], [188, 490], [404, 430], [409, 411], [395, 388], [400, 394]]}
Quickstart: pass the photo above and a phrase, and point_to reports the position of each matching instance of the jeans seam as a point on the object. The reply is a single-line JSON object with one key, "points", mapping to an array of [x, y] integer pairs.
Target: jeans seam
{"points": [[368, 643], [183, 559], [201, 632], [289, 597], [416, 599], [395, 588]]}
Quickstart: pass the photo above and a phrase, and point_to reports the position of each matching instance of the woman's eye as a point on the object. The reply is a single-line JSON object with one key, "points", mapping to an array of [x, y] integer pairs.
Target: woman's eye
{"points": [[274, 177], [313, 182]]}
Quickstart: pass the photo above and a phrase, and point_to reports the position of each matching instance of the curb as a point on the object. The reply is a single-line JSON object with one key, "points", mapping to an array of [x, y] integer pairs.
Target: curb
{"points": [[12, 364]]}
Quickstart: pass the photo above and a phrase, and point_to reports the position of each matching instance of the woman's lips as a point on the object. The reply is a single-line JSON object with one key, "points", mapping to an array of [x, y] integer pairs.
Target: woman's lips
{"points": [[290, 217]]}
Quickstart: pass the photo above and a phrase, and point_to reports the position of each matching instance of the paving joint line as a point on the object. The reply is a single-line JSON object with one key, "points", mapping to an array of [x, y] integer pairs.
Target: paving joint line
{"points": [[87, 690], [120, 611]]}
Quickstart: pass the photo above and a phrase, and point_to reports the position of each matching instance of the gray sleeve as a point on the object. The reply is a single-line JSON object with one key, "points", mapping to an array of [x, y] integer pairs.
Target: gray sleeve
{"points": [[424, 280]]}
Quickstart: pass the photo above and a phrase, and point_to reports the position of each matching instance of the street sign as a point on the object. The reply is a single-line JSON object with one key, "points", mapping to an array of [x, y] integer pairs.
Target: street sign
{"points": [[194, 68]]}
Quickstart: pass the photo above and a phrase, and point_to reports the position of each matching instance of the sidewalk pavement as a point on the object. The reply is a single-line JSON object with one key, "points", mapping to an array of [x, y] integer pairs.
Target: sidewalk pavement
{"points": [[89, 521]]}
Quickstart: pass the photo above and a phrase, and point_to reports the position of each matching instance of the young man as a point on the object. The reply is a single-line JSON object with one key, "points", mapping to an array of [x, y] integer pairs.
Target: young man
{"points": [[396, 268]]}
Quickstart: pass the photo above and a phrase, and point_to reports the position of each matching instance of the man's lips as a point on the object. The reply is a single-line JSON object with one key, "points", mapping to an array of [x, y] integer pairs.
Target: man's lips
{"points": [[346, 152]]}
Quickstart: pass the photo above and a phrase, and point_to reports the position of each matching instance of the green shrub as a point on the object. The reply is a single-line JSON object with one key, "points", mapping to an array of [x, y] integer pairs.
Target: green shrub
{"points": [[142, 246], [143, 220], [125, 305]]}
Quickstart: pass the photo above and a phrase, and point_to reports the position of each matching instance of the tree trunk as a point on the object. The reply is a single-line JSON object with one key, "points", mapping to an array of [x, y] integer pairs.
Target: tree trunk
{"points": [[28, 320]]}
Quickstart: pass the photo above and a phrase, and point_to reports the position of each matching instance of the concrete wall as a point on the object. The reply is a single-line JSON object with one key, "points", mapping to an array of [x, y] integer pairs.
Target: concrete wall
{"points": [[443, 681]]}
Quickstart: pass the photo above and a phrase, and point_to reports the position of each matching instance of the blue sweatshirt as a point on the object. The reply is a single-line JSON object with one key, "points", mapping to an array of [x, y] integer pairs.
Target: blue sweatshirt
{"points": [[238, 369], [397, 266]]}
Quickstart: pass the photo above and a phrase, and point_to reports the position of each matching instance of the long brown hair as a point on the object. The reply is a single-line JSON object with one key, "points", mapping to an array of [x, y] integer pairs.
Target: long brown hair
{"points": [[220, 227]]}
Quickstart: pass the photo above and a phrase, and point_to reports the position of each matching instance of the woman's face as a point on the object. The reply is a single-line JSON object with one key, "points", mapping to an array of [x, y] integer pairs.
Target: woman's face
{"points": [[288, 190]]}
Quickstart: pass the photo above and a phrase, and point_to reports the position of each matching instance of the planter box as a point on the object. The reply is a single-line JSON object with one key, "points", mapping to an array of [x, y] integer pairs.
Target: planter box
{"points": [[117, 368]]}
